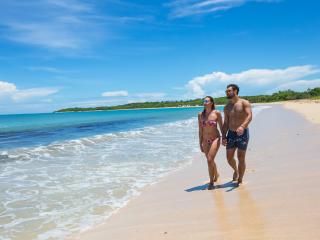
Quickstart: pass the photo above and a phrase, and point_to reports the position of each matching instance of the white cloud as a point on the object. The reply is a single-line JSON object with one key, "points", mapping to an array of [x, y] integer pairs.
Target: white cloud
{"points": [[6, 88], [219, 93], [49, 100], [136, 96], [54, 24], [147, 97], [253, 77], [300, 85], [60, 25], [21, 95], [10, 90], [184, 8], [122, 93], [50, 35], [150, 95], [71, 5], [45, 69]]}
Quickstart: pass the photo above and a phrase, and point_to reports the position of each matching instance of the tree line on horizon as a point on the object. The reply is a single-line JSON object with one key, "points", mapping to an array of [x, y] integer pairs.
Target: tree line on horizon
{"points": [[275, 97]]}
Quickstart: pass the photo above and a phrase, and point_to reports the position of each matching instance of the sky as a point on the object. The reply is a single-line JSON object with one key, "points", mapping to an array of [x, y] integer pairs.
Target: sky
{"points": [[85, 53]]}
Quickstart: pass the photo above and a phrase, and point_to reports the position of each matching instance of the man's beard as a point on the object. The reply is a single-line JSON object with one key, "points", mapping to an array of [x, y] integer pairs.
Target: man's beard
{"points": [[230, 96]]}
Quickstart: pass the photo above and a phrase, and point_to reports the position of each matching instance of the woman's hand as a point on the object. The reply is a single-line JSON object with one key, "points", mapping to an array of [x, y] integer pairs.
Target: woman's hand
{"points": [[201, 147]]}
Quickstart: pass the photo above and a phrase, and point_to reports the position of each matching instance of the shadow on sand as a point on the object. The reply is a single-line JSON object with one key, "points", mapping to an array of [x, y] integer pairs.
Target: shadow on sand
{"points": [[231, 185]]}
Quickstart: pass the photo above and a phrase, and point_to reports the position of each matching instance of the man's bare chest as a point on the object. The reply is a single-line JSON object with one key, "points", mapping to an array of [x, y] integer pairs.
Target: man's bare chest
{"points": [[236, 109]]}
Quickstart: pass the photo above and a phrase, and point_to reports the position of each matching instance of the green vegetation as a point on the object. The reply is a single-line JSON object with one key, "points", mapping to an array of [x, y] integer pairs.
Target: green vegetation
{"points": [[285, 95], [316, 98], [275, 97]]}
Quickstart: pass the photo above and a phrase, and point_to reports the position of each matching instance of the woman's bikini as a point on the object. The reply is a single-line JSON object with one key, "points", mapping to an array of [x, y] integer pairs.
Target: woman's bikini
{"points": [[209, 123]]}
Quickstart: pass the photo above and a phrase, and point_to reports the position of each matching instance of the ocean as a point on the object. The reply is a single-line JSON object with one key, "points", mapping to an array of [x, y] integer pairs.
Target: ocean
{"points": [[62, 173]]}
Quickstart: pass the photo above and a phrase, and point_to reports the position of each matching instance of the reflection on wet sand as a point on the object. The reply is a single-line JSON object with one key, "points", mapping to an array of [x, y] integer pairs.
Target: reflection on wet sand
{"points": [[224, 216], [238, 216]]}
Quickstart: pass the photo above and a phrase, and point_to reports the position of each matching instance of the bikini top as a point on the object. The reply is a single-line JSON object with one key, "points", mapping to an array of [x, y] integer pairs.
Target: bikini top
{"points": [[210, 123]]}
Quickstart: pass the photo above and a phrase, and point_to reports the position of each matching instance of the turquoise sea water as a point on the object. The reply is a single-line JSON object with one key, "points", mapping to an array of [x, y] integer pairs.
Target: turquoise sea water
{"points": [[38, 129], [62, 173]]}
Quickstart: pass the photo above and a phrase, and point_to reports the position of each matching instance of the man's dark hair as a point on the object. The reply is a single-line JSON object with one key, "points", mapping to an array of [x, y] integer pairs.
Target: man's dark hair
{"points": [[234, 87]]}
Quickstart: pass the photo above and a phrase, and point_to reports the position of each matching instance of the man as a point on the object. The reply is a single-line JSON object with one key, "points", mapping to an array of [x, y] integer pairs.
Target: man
{"points": [[237, 116]]}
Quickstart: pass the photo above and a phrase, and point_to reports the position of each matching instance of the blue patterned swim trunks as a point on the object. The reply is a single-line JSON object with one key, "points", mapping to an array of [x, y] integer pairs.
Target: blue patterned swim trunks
{"points": [[236, 141]]}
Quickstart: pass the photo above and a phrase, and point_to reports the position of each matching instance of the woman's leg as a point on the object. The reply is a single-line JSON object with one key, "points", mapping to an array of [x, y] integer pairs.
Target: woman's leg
{"points": [[206, 148], [211, 156], [211, 173]]}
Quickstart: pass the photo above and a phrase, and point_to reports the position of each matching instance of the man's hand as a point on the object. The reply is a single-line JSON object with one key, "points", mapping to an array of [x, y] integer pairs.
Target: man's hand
{"points": [[240, 130], [224, 141]]}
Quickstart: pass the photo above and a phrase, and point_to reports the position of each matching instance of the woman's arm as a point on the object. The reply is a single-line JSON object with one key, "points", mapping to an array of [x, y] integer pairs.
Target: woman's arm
{"points": [[225, 127], [200, 131], [220, 122]]}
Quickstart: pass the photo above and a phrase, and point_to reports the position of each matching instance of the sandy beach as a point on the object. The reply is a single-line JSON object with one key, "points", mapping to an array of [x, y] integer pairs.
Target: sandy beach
{"points": [[278, 200], [310, 109]]}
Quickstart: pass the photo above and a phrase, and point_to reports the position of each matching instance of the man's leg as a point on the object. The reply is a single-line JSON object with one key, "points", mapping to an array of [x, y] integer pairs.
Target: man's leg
{"points": [[242, 145], [232, 162], [242, 164]]}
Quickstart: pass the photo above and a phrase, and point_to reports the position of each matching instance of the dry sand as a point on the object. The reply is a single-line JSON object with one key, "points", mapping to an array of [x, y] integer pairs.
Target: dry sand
{"points": [[310, 109], [278, 200]]}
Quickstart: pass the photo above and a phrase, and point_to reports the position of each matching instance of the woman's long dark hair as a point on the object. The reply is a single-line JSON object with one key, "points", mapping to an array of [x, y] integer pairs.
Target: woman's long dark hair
{"points": [[213, 106]]}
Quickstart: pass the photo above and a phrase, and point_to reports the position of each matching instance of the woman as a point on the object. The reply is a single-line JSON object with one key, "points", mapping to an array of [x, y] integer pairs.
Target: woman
{"points": [[209, 136]]}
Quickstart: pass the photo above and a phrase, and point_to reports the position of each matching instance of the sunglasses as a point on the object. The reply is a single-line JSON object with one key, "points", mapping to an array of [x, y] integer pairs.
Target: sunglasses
{"points": [[206, 101]]}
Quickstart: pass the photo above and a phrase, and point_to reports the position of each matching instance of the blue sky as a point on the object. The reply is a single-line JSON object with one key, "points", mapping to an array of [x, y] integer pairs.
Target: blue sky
{"points": [[68, 53]]}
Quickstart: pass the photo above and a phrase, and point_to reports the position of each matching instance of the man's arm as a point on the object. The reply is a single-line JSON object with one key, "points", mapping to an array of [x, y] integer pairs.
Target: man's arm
{"points": [[248, 111]]}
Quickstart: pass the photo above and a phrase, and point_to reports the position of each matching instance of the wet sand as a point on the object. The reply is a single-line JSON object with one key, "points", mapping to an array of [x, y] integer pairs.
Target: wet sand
{"points": [[278, 200]]}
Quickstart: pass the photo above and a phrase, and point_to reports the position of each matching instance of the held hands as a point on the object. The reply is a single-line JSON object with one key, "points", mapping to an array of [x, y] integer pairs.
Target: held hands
{"points": [[224, 141]]}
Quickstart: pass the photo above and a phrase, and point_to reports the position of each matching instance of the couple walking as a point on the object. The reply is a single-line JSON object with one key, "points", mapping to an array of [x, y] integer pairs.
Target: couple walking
{"points": [[234, 129]]}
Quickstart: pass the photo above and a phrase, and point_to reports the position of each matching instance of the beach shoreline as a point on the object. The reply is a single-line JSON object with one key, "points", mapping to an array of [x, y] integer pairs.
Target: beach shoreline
{"points": [[310, 109], [128, 109], [177, 207]]}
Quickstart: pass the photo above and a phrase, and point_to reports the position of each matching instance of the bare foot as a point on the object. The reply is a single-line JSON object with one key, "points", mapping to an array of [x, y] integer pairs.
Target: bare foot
{"points": [[210, 186], [235, 176], [216, 177], [239, 181]]}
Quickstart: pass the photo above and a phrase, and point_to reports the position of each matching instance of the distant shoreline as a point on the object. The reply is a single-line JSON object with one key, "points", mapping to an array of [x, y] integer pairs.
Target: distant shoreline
{"points": [[200, 106], [126, 109], [263, 99]]}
